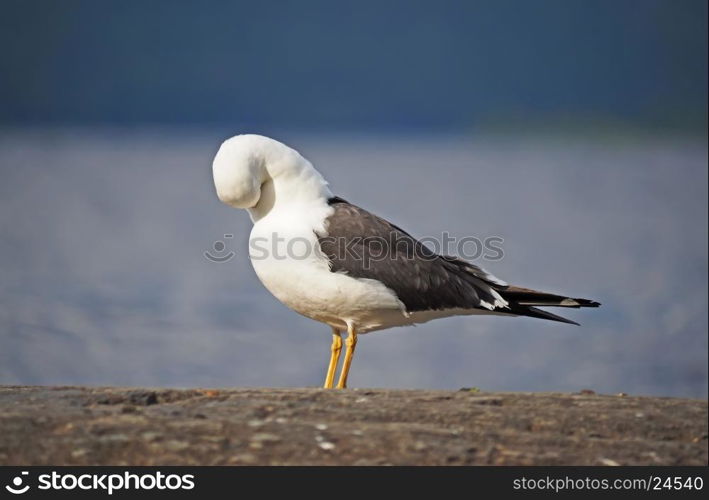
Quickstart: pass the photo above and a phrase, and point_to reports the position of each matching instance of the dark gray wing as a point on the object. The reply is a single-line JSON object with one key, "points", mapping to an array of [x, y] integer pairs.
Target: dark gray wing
{"points": [[363, 245]]}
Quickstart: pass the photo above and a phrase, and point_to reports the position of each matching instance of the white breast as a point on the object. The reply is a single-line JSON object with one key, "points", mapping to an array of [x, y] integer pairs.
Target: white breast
{"points": [[286, 256]]}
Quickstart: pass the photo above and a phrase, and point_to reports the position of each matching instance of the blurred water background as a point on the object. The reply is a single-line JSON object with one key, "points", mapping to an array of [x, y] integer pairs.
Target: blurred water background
{"points": [[575, 131]]}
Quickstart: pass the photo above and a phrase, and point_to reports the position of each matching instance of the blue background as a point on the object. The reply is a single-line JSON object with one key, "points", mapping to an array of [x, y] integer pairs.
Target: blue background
{"points": [[354, 65], [574, 130]]}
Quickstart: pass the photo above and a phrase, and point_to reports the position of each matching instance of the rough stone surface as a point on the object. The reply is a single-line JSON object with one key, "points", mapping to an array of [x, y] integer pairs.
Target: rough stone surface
{"points": [[130, 426]]}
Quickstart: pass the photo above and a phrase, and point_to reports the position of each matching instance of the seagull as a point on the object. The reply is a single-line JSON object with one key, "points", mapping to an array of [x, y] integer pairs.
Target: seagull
{"points": [[336, 263]]}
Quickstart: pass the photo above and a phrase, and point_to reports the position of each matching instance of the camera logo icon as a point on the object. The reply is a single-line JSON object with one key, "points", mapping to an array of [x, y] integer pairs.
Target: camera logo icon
{"points": [[16, 488], [221, 252]]}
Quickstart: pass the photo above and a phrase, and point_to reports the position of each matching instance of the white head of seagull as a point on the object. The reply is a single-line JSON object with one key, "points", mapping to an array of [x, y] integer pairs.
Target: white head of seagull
{"points": [[399, 283], [256, 173]]}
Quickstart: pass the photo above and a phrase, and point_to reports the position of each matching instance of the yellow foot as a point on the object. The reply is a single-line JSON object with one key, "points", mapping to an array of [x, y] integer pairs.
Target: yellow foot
{"points": [[335, 350], [351, 343]]}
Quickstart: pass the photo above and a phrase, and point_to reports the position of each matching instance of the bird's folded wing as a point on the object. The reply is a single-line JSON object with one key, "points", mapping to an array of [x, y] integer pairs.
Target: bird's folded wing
{"points": [[363, 245]]}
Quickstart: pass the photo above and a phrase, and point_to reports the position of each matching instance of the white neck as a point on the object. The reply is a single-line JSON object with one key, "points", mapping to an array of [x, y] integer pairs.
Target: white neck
{"points": [[265, 176], [290, 181]]}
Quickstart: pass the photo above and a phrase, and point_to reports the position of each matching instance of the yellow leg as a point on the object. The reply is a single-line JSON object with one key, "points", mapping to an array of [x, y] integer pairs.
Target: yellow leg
{"points": [[350, 343], [334, 358]]}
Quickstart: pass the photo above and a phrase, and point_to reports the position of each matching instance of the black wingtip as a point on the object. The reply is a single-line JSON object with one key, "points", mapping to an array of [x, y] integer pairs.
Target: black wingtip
{"points": [[564, 320], [533, 312]]}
